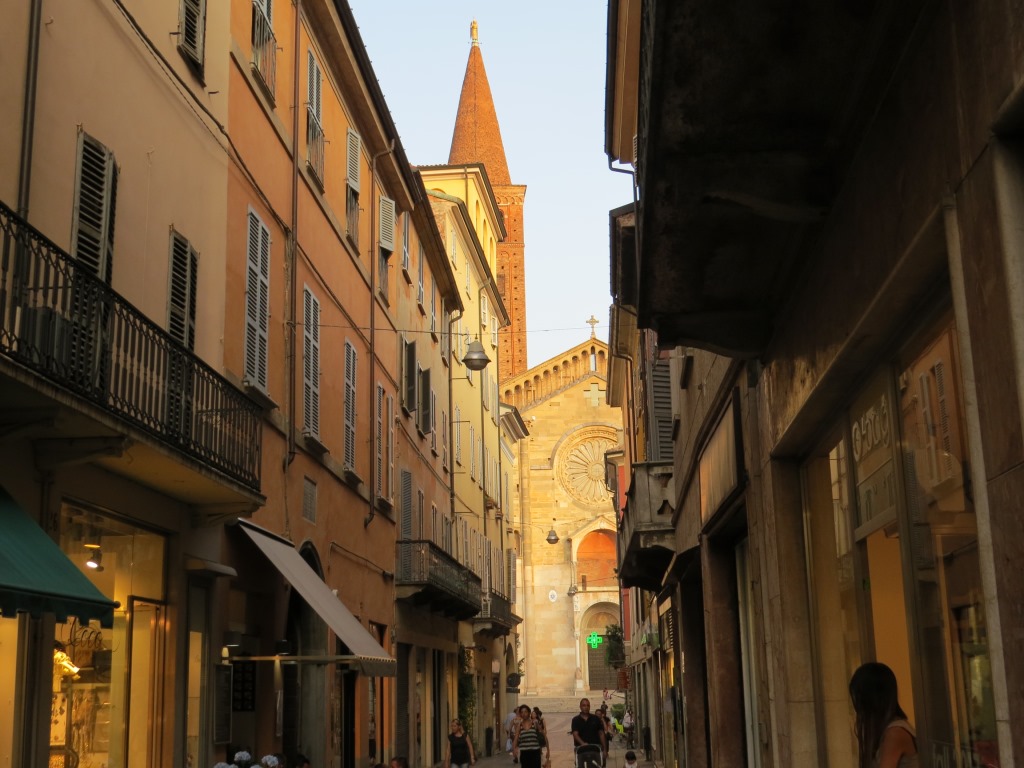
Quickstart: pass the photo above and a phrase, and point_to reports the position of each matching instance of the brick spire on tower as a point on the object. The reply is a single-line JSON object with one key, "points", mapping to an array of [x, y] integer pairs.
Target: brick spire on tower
{"points": [[477, 139]]}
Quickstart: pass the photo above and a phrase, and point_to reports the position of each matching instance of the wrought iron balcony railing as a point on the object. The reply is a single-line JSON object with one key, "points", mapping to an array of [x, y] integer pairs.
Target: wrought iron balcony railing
{"points": [[264, 49], [61, 321], [423, 563], [498, 609]]}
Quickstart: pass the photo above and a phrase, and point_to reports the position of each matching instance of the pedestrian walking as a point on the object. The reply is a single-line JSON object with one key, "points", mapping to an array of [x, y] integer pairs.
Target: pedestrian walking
{"points": [[526, 747], [459, 753]]}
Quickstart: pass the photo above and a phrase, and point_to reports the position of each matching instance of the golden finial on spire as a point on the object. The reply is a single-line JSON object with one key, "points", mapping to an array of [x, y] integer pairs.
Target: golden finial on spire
{"points": [[473, 32]]}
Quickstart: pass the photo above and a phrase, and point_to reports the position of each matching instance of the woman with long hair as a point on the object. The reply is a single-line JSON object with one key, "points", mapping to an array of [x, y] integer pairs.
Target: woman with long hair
{"points": [[528, 740], [884, 737]]}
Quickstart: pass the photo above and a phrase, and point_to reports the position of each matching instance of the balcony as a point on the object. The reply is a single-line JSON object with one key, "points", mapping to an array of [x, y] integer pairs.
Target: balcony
{"points": [[72, 347], [495, 618], [646, 535], [733, 186], [264, 50], [429, 576]]}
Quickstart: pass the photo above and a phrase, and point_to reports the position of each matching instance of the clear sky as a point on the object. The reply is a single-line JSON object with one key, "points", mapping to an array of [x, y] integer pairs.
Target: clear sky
{"points": [[545, 63]]}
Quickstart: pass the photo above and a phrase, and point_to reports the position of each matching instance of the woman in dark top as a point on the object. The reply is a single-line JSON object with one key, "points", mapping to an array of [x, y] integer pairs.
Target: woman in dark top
{"points": [[528, 741], [460, 749]]}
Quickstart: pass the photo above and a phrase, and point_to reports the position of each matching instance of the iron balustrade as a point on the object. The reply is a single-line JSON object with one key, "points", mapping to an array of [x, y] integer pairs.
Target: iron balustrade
{"points": [[424, 563], [497, 608], [60, 320], [264, 49]]}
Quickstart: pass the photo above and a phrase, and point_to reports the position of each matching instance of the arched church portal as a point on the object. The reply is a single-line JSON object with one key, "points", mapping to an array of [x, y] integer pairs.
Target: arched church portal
{"points": [[593, 635]]}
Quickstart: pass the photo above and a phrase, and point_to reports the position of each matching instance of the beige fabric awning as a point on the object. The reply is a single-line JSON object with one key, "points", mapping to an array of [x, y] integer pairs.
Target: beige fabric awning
{"points": [[367, 655]]}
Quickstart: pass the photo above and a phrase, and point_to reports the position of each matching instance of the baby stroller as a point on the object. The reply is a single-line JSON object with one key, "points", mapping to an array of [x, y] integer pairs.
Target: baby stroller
{"points": [[589, 756]]}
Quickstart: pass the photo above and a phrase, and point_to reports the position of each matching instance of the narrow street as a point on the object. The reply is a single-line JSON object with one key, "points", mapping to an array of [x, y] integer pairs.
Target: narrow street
{"points": [[561, 746]]}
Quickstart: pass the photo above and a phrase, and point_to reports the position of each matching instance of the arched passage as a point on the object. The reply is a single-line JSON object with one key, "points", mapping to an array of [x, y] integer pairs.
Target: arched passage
{"points": [[598, 673]]}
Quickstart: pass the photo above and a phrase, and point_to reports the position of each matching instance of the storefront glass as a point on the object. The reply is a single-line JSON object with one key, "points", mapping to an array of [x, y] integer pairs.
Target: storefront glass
{"points": [[893, 561], [106, 679], [942, 558]]}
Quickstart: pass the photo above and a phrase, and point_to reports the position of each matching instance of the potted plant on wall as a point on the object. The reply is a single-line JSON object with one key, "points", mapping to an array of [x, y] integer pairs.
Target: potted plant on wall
{"points": [[615, 646]]}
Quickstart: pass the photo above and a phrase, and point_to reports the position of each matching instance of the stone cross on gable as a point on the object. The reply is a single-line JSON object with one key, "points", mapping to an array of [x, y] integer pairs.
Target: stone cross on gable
{"points": [[592, 322], [593, 395]]}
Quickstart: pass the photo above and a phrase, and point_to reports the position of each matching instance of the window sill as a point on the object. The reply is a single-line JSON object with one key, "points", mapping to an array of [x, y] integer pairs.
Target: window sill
{"points": [[349, 476], [259, 395], [406, 275], [313, 444]]}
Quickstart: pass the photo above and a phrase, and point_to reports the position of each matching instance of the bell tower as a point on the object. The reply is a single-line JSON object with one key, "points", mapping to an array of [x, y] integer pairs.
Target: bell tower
{"points": [[477, 139]]}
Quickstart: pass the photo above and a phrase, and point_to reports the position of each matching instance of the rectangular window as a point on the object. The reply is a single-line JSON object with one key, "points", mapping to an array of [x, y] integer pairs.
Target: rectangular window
{"points": [[257, 303], [352, 166], [310, 364], [386, 237], [472, 452], [484, 315], [350, 406], [494, 331], [314, 119], [420, 266], [433, 420], [457, 426], [433, 306], [405, 241], [309, 500], [444, 439], [453, 248], [264, 45], [485, 391], [191, 32]]}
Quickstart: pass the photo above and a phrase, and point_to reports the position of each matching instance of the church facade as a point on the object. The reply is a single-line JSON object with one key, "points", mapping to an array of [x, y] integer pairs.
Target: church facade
{"points": [[565, 529]]}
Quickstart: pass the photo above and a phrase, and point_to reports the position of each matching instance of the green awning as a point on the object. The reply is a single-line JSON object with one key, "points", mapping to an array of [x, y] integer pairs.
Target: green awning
{"points": [[36, 577]]}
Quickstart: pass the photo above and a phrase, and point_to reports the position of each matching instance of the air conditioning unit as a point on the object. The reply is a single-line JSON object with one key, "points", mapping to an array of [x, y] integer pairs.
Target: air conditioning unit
{"points": [[43, 336]]}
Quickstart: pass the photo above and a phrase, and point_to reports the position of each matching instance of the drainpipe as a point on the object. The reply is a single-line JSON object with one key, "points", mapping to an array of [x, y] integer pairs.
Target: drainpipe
{"points": [[291, 266], [374, 254], [28, 112]]}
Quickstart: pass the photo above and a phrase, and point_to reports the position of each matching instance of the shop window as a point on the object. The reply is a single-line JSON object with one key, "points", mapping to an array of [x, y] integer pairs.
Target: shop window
{"points": [[893, 560], [118, 673]]}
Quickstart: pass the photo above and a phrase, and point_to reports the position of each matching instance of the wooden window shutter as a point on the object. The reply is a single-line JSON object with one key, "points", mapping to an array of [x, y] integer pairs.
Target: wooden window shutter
{"points": [[661, 411], [387, 223], [407, 532], [409, 371], [354, 150], [379, 440], [181, 322], [191, 30], [389, 415], [424, 401], [350, 406], [314, 87], [95, 203], [257, 302], [311, 363]]}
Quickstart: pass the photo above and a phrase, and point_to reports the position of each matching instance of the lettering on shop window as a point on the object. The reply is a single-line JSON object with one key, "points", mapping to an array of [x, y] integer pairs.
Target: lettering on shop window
{"points": [[871, 430], [83, 637]]}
